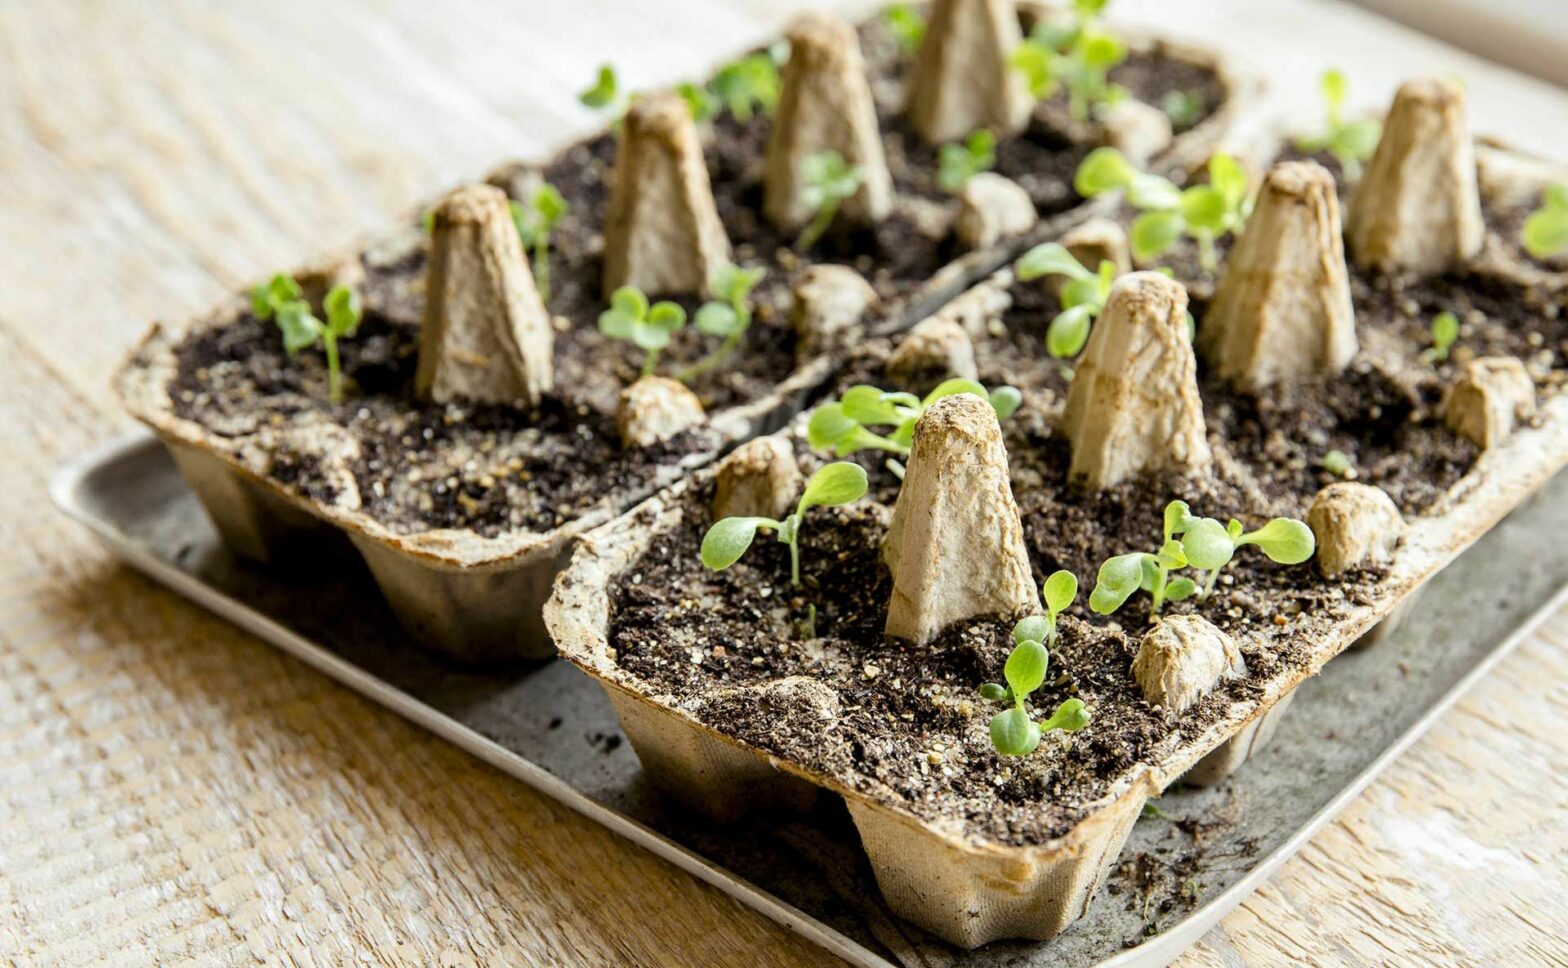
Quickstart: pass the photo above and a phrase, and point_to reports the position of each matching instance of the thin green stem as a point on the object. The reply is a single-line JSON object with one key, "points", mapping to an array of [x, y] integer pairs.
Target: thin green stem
{"points": [[542, 270], [649, 361], [1208, 584], [712, 359], [794, 560], [334, 370], [1157, 594], [1206, 254], [818, 225]]}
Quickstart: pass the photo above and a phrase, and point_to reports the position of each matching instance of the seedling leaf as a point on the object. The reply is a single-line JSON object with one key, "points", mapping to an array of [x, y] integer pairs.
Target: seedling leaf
{"points": [[834, 484], [729, 538], [1284, 540]]}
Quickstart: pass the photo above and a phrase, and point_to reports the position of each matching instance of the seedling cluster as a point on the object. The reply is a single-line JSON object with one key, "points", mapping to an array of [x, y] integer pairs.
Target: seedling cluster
{"points": [[535, 221], [960, 161], [827, 180], [1204, 213], [1350, 142], [1204, 544], [281, 300], [1545, 231], [1078, 56], [843, 426], [1013, 731]]}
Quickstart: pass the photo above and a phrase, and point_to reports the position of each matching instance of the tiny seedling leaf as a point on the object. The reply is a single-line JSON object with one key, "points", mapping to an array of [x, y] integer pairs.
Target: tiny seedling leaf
{"points": [[1050, 259], [729, 538], [1104, 170], [1284, 540], [1208, 545], [840, 482], [1153, 232], [1013, 733], [1116, 581], [1060, 589], [1035, 628], [1025, 668], [1071, 716]]}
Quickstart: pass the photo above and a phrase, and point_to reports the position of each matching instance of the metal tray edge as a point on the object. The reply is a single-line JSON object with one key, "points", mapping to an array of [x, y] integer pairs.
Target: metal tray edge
{"points": [[64, 489]]}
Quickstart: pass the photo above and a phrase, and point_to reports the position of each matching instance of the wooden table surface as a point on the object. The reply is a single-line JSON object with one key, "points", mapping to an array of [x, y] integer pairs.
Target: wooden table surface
{"points": [[174, 791]]}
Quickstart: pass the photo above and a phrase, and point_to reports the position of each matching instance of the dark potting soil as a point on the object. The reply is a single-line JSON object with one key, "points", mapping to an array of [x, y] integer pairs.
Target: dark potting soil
{"points": [[905, 724]]}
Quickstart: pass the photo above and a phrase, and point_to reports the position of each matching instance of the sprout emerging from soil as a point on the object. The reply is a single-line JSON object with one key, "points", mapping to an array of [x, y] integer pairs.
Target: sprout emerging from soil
{"points": [[1338, 463], [1079, 55], [841, 427], [605, 92], [1445, 332], [281, 300], [960, 161], [1350, 143], [1122, 575], [906, 25], [1210, 545], [1202, 543], [1545, 231], [748, 85], [1083, 296], [1184, 108], [1013, 732], [649, 328], [831, 486], [728, 316], [535, 221], [1202, 212], [826, 181]]}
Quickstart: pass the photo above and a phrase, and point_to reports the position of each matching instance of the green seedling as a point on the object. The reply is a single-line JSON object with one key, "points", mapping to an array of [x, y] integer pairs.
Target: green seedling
{"points": [[1121, 576], [1338, 463], [1184, 108], [703, 104], [1083, 295], [1210, 545], [1545, 231], [826, 181], [842, 426], [906, 25], [605, 92], [1445, 332], [749, 85], [1204, 213], [1079, 56], [281, 300], [832, 485], [1013, 731], [535, 220], [649, 328], [962, 160], [727, 316], [1350, 143]]}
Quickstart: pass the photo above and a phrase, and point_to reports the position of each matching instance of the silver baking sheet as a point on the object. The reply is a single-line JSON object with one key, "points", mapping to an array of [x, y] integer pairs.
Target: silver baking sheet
{"points": [[1184, 867]]}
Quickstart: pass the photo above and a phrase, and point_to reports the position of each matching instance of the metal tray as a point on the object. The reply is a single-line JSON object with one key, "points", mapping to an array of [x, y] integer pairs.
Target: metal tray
{"points": [[1185, 866]]}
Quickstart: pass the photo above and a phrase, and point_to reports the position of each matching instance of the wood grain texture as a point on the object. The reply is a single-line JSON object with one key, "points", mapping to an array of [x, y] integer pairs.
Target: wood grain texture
{"points": [[173, 791]]}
